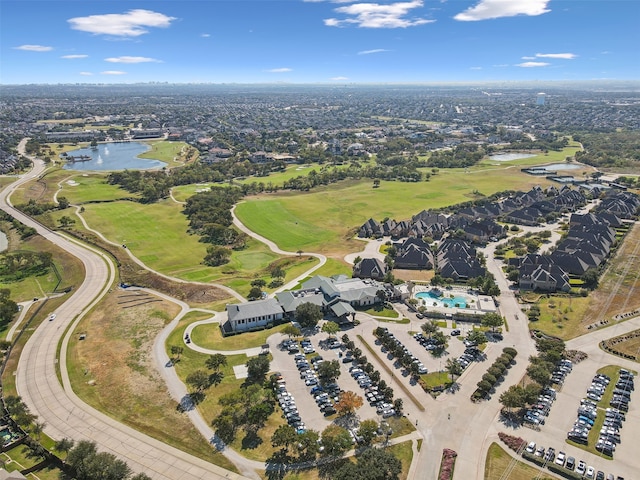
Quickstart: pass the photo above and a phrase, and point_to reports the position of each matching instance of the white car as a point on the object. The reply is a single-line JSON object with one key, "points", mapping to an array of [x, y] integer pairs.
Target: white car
{"points": [[591, 472], [560, 459], [531, 448], [52, 316]]}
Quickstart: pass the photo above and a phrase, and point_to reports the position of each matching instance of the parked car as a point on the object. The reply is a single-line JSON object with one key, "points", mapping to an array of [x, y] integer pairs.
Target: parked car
{"points": [[561, 458]]}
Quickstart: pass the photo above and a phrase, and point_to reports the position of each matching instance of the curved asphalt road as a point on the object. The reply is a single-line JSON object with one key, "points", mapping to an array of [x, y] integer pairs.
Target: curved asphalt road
{"points": [[64, 413]]}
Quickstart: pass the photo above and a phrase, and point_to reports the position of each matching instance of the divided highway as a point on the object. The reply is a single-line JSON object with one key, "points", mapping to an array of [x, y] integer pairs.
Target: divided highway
{"points": [[64, 413]]}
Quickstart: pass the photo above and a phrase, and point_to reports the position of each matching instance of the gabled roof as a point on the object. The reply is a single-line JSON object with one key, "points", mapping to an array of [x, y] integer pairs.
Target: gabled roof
{"points": [[241, 311]]}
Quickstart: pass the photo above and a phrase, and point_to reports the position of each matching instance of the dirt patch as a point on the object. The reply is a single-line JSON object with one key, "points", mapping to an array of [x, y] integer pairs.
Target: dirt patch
{"points": [[421, 275]]}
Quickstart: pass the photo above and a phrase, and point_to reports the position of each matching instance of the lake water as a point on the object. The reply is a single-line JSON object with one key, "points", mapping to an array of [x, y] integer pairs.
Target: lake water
{"points": [[506, 157], [114, 156]]}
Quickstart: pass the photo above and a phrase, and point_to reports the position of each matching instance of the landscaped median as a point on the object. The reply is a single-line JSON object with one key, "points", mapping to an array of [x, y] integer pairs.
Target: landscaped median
{"points": [[447, 464], [496, 371]]}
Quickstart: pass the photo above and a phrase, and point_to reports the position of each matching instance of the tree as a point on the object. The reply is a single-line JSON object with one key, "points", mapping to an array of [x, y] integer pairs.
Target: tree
{"points": [[397, 406], [226, 427], [66, 221], [291, 330], [331, 328], [37, 429], [328, 372], [255, 293], [308, 314], [513, 397], [453, 368], [441, 340], [477, 336], [348, 403], [374, 464], [429, 328], [64, 446], [141, 476], [284, 436], [215, 361], [336, 440], [198, 380], [217, 255], [368, 430], [539, 374], [257, 368], [308, 445], [492, 320], [176, 351], [86, 463], [590, 278]]}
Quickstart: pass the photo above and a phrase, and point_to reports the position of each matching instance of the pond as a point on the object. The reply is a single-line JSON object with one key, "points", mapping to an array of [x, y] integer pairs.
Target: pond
{"points": [[112, 156], [507, 157]]}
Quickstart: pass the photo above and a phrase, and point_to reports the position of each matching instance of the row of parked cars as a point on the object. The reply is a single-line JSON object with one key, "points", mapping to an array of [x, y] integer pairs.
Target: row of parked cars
{"points": [[387, 338], [562, 460], [428, 343], [563, 368], [622, 391], [288, 405], [470, 354], [538, 412]]}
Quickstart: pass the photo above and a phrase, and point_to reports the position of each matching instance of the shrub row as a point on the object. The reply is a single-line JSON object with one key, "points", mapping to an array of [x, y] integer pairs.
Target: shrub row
{"points": [[514, 443], [447, 464], [494, 372]]}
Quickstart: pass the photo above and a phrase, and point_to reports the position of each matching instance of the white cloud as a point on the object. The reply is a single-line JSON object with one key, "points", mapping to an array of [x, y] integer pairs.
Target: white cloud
{"points": [[532, 64], [566, 56], [86, 74], [113, 72], [528, 58], [34, 48], [73, 57], [130, 24], [205, 35], [339, 78], [475, 68], [375, 50], [127, 59], [375, 15], [279, 70], [489, 9]]}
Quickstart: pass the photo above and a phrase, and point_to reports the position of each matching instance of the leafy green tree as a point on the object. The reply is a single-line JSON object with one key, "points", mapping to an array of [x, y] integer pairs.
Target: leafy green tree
{"points": [[336, 441], [429, 328], [176, 351], [331, 328], [453, 368], [284, 436], [492, 320], [257, 369], [328, 371], [291, 331], [368, 430], [539, 374], [255, 293], [477, 336], [225, 427], [198, 380], [513, 397], [215, 361], [308, 314], [217, 255], [308, 446], [64, 445]]}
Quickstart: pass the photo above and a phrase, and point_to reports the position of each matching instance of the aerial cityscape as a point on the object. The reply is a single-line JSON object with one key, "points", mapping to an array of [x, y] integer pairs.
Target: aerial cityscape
{"points": [[311, 239]]}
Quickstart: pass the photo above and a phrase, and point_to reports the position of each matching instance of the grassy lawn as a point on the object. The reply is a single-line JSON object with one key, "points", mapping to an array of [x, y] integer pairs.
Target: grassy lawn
{"points": [[113, 367], [91, 187], [403, 452], [499, 461], [153, 232], [400, 425], [209, 336], [561, 316], [170, 152], [319, 221], [209, 408], [435, 379], [382, 311]]}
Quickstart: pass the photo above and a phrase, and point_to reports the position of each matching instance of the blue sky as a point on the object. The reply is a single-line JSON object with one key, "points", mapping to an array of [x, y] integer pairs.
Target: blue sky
{"points": [[317, 41]]}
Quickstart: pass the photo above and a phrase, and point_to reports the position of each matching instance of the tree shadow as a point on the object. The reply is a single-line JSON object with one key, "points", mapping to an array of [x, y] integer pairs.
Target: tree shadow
{"points": [[215, 378], [197, 397], [276, 466], [251, 440], [186, 404]]}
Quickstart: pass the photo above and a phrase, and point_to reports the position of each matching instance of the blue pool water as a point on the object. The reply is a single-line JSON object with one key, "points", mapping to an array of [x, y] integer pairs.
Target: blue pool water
{"points": [[430, 298]]}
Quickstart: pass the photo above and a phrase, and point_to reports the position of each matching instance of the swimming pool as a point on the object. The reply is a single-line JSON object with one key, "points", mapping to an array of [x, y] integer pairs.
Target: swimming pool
{"points": [[433, 299]]}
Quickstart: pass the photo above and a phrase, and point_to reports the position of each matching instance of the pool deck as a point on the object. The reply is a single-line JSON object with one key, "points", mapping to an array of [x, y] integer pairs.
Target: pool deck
{"points": [[482, 303]]}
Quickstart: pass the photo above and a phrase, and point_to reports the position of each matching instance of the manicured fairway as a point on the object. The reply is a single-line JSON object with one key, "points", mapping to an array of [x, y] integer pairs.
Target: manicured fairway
{"points": [[83, 188], [165, 151], [328, 216]]}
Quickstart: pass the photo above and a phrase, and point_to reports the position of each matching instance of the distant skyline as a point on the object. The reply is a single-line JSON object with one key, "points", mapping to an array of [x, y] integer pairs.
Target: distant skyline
{"points": [[317, 41]]}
